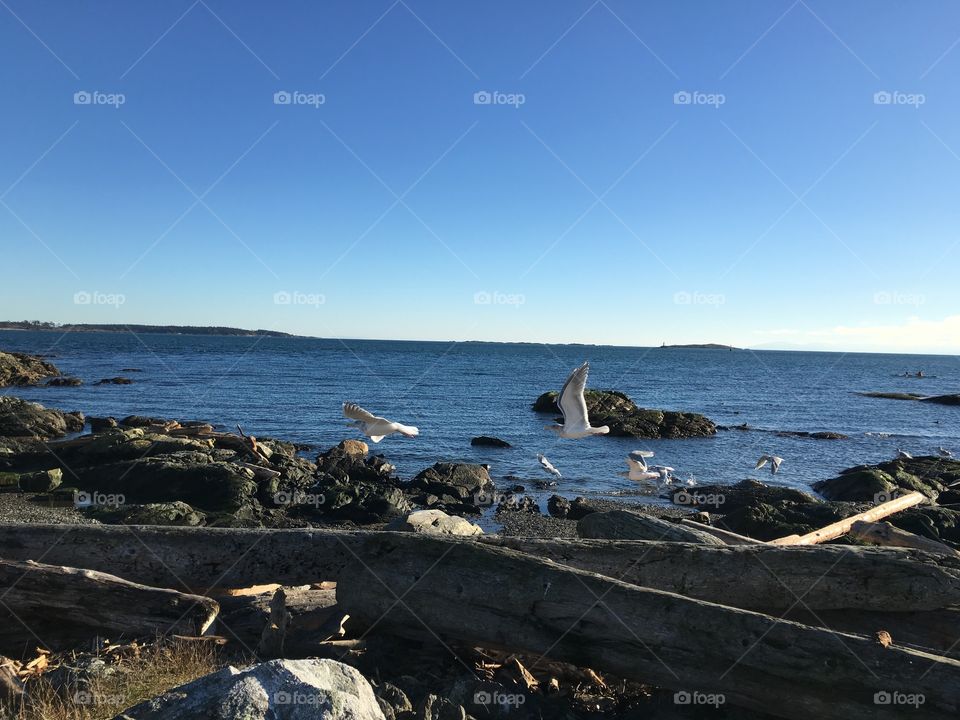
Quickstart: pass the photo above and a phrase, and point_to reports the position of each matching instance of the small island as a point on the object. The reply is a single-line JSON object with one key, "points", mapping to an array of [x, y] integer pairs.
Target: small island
{"points": [[161, 329], [700, 346]]}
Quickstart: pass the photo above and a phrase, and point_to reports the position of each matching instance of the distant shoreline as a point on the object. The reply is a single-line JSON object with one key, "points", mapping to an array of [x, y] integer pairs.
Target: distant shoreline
{"points": [[700, 346], [156, 329]]}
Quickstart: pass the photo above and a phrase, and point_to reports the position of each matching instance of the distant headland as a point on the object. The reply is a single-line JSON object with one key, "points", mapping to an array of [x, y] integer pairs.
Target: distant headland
{"points": [[162, 329], [702, 346]]}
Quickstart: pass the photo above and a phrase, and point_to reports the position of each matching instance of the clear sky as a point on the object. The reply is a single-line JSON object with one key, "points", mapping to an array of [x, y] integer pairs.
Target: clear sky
{"points": [[765, 173]]}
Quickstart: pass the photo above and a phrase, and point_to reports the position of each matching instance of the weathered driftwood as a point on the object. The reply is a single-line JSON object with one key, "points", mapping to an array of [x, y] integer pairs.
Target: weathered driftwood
{"points": [[728, 537], [427, 586], [628, 525], [889, 536], [313, 618], [842, 527], [55, 607], [749, 576]]}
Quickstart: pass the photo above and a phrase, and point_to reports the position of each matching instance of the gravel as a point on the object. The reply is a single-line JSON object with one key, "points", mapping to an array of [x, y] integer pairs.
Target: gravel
{"points": [[17, 507]]}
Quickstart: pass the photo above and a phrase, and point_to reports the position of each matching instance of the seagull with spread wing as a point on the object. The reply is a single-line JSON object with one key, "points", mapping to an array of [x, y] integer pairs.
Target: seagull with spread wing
{"points": [[548, 466], [639, 471], [576, 423], [774, 461], [374, 427]]}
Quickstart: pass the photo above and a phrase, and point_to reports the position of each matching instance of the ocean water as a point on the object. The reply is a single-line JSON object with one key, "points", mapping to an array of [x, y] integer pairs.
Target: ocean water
{"points": [[292, 388]]}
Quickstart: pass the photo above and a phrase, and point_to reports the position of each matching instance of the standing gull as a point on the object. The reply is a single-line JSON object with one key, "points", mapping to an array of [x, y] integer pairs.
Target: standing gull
{"points": [[903, 455], [548, 466], [374, 427], [773, 460], [576, 423], [944, 452]]}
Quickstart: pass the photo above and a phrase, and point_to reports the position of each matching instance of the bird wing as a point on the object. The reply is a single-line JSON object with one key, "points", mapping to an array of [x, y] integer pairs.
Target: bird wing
{"points": [[571, 402], [762, 461], [640, 454], [355, 412]]}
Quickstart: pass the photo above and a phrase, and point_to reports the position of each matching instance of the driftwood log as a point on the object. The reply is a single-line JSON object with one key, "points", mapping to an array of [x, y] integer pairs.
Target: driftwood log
{"points": [[761, 577], [889, 536], [423, 586], [628, 525], [842, 527], [56, 607]]}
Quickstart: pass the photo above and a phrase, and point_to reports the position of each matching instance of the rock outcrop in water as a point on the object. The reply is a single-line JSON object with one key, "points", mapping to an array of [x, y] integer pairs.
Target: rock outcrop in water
{"points": [[19, 369], [22, 419], [952, 399], [617, 411]]}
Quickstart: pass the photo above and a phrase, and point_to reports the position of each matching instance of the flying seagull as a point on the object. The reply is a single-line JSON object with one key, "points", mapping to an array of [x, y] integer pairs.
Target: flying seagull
{"points": [[637, 463], [576, 423], [376, 428], [903, 455], [548, 466], [773, 460]]}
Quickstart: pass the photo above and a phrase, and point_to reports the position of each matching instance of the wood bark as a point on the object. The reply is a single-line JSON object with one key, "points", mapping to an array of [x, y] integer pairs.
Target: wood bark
{"points": [[628, 525], [760, 577], [56, 607], [455, 592]]}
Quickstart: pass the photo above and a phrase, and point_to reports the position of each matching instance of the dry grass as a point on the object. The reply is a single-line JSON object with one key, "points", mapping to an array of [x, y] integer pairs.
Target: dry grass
{"points": [[138, 673]]}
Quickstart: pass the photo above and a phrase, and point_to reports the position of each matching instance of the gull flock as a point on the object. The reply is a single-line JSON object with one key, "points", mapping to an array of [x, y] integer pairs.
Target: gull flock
{"points": [[575, 426]]}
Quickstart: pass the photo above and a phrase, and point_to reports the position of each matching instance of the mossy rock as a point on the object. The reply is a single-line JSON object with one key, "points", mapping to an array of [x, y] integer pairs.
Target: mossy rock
{"points": [[175, 513]]}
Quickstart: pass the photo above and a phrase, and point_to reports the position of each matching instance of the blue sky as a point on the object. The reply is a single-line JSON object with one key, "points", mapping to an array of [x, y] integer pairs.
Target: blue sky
{"points": [[642, 172]]}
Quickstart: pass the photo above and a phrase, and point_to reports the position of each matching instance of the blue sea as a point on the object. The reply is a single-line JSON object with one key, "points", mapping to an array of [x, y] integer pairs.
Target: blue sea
{"points": [[292, 388]]}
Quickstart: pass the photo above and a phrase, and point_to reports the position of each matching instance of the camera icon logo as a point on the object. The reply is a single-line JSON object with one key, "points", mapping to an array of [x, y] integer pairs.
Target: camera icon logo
{"points": [[682, 97], [282, 97], [82, 97], [482, 97]]}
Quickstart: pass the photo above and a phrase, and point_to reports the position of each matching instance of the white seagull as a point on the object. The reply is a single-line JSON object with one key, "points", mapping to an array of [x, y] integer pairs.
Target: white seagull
{"points": [[548, 466], [663, 472], [576, 423], [374, 427], [637, 463], [944, 452], [773, 460], [903, 455]]}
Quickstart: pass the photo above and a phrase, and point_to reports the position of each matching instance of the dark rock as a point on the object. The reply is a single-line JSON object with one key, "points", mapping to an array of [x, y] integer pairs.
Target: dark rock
{"points": [[142, 421], [19, 418], [635, 525], [487, 441], [433, 707], [461, 480], [927, 474], [943, 399], [823, 435], [42, 481], [97, 424], [558, 506], [21, 369], [625, 419], [518, 503], [64, 382], [114, 381]]}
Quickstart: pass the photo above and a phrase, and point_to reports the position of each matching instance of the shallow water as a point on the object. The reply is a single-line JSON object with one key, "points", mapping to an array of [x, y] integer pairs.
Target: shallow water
{"points": [[292, 388]]}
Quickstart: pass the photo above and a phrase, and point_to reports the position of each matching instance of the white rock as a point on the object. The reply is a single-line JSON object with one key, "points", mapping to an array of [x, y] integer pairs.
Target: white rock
{"points": [[435, 522], [278, 690]]}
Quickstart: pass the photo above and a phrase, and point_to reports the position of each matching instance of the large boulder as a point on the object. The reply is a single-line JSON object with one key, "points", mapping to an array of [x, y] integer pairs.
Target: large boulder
{"points": [[631, 525], [618, 412], [458, 480], [435, 522], [19, 418], [276, 690], [875, 483], [22, 369], [172, 513]]}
